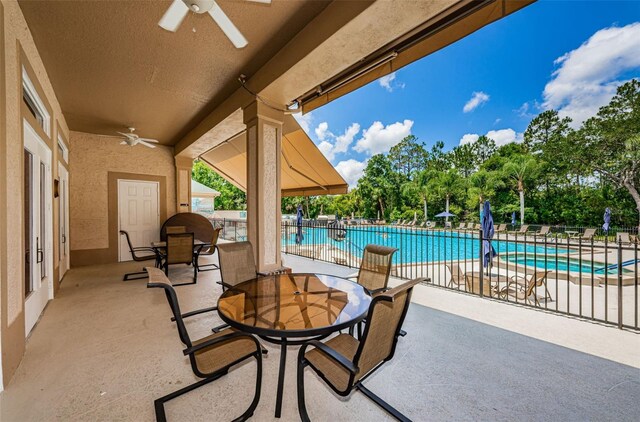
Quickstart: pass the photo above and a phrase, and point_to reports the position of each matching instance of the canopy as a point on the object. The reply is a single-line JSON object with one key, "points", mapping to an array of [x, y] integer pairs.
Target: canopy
{"points": [[304, 170], [198, 190]]}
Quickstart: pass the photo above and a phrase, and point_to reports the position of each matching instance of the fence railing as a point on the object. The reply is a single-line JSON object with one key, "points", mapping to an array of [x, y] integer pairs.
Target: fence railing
{"points": [[564, 271]]}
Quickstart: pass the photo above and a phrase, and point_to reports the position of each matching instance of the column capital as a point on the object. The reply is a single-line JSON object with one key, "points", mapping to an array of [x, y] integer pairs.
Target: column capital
{"points": [[184, 161], [258, 110]]}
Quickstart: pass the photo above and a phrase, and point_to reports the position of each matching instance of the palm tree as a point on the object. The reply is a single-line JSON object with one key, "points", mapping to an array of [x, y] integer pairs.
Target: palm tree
{"points": [[447, 184], [520, 169], [483, 186]]}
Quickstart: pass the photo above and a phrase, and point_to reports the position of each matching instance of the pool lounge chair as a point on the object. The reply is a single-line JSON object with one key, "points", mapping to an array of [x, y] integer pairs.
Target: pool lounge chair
{"points": [[523, 288], [544, 231], [458, 277], [625, 238], [501, 228], [461, 226], [523, 229], [587, 235]]}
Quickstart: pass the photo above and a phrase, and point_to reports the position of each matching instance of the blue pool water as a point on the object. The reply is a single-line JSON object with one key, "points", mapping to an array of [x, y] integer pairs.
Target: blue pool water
{"points": [[574, 265], [416, 245]]}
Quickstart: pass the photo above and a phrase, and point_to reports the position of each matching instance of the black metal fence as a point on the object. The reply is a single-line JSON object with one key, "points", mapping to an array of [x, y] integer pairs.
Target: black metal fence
{"points": [[569, 270], [577, 271]]}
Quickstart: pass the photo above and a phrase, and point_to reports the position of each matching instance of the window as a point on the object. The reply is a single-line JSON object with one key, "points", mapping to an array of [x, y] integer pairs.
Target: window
{"points": [[34, 103], [63, 151]]}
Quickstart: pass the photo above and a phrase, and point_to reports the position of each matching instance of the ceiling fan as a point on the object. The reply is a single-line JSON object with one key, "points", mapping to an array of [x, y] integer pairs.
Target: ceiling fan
{"points": [[133, 139], [179, 9]]}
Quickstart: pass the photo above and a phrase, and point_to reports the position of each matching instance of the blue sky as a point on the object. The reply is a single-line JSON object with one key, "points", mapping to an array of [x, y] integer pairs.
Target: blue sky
{"points": [[565, 55]]}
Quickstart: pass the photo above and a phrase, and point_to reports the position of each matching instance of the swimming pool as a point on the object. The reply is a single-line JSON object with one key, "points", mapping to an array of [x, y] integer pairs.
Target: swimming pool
{"points": [[573, 264], [416, 246]]}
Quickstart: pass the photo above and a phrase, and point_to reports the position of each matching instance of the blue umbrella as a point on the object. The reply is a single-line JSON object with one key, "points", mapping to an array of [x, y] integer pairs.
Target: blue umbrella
{"points": [[299, 236], [445, 214], [488, 232], [513, 218], [607, 219]]}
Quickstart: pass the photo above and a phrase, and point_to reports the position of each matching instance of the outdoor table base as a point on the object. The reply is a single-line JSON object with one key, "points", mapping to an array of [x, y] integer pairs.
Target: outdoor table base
{"points": [[291, 309]]}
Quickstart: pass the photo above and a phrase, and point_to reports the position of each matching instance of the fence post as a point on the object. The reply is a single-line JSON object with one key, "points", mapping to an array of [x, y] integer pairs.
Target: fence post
{"points": [[620, 283], [481, 266]]}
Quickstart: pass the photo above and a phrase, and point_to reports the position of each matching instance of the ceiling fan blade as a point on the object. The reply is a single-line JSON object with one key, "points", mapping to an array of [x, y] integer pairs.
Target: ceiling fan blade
{"points": [[146, 144], [128, 135], [227, 26], [124, 143], [155, 141], [261, 1], [174, 15]]}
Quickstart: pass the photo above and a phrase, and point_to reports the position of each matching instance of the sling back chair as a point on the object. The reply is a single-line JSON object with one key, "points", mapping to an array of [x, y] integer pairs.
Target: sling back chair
{"points": [[209, 251], [138, 254], [211, 357], [344, 362], [180, 250], [524, 288]]}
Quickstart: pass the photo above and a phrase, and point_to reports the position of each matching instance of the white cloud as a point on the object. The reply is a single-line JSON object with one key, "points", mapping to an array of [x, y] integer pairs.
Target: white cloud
{"points": [[351, 170], [386, 81], [304, 120], [587, 77], [505, 136], [340, 143], [477, 99], [498, 120], [469, 138], [321, 131], [380, 138], [500, 137]]}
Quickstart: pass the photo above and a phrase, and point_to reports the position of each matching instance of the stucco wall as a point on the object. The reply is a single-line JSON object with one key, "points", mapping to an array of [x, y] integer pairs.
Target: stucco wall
{"points": [[18, 46], [92, 157]]}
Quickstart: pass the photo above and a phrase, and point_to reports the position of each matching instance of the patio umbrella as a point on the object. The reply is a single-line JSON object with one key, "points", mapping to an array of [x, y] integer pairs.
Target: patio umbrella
{"points": [[607, 219], [445, 214], [299, 235], [513, 218], [488, 232]]}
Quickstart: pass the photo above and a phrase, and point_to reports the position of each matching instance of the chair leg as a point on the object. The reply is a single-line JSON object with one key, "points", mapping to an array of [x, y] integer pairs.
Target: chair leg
{"points": [[302, 408], [256, 397], [159, 403], [134, 276], [386, 406]]}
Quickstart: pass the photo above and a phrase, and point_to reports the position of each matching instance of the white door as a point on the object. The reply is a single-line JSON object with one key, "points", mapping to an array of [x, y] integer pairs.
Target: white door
{"points": [[38, 225], [138, 214], [63, 214]]}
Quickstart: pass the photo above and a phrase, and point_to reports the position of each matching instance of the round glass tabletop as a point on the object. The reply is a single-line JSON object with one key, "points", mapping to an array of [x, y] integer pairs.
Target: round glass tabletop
{"points": [[294, 305]]}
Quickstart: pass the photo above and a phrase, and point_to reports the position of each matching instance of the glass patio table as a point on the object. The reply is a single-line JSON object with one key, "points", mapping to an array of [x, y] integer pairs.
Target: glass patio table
{"points": [[290, 309]]}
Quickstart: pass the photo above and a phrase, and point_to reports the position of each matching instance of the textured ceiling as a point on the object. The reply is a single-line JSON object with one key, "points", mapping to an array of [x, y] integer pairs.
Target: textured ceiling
{"points": [[112, 66]]}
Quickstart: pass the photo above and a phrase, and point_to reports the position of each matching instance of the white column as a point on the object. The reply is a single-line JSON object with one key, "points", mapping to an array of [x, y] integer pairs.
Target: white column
{"points": [[264, 134]]}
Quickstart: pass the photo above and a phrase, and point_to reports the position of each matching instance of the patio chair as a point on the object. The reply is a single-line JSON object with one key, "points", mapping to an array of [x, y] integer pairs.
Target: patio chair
{"points": [[344, 362], [138, 254], [501, 228], [237, 263], [180, 250], [458, 277], [523, 229], [211, 357], [522, 288], [374, 271], [461, 226], [211, 249], [625, 238], [587, 235], [544, 231], [175, 229]]}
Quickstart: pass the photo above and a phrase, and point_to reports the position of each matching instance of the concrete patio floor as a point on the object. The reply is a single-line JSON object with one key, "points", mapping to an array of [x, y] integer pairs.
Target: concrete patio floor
{"points": [[105, 349]]}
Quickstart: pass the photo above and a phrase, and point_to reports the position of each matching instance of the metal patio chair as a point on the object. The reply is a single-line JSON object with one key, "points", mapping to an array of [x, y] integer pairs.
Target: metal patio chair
{"points": [[209, 251], [344, 362], [523, 288], [139, 254], [211, 357], [180, 250]]}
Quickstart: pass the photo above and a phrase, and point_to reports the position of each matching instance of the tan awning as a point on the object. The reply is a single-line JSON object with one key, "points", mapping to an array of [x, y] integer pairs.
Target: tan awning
{"points": [[305, 170], [461, 20]]}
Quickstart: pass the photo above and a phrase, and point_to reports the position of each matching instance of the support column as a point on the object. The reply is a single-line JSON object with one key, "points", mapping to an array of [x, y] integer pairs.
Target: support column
{"points": [[184, 165], [264, 135]]}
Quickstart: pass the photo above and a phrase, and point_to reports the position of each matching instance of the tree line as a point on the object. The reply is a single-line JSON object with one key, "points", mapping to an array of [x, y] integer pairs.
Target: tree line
{"points": [[558, 175]]}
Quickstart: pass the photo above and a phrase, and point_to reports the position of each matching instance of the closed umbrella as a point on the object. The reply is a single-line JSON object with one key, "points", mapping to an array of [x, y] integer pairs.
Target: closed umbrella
{"points": [[488, 232], [513, 218], [299, 236], [607, 219]]}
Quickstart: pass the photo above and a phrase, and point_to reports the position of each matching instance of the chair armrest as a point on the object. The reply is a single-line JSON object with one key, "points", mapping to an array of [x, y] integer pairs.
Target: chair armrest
{"points": [[221, 339], [337, 357], [143, 248], [199, 311]]}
